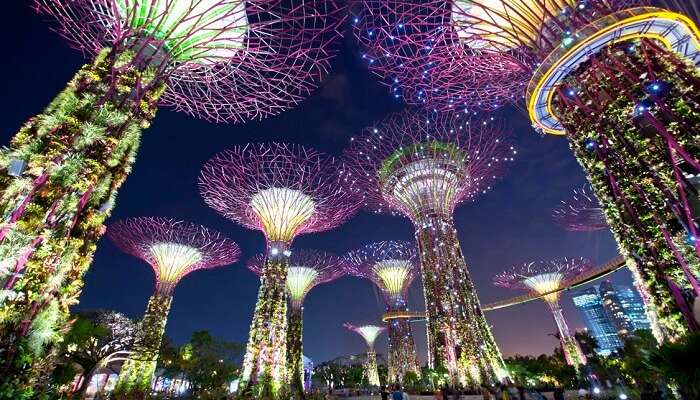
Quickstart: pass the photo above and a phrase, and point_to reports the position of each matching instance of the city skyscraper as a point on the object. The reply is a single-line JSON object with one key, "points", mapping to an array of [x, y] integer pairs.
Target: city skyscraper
{"points": [[597, 320], [611, 312]]}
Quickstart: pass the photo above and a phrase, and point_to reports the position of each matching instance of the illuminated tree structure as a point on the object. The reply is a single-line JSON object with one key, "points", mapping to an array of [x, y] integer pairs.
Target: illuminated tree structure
{"points": [[618, 78], [221, 60], [173, 249], [391, 266], [582, 213], [370, 334], [545, 278], [307, 268], [423, 167], [282, 190]]}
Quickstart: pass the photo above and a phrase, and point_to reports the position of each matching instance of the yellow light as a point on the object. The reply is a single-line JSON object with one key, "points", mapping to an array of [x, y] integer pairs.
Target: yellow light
{"points": [[427, 184], [503, 25], [545, 283], [583, 44], [282, 211], [173, 260], [393, 274], [370, 333], [299, 280]]}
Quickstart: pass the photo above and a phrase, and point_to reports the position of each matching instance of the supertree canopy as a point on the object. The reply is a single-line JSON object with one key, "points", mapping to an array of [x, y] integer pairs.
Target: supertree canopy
{"points": [[307, 268], [546, 278], [282, 190], [392, 266], [221, 60], [423, 167], [580, 213], [617, 78], [173, 249], [370, 334]]}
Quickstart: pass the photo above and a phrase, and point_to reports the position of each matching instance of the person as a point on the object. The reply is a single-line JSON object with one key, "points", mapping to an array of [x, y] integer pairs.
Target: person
{"points": [[558, 393], [521, 392], [582, 394], [504, 394], [385, 393], [405, 395], [397, 394], [485, 393]]}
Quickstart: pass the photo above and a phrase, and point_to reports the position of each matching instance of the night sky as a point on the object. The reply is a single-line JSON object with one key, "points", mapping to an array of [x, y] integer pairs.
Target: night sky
{"points": [[509, 225]]}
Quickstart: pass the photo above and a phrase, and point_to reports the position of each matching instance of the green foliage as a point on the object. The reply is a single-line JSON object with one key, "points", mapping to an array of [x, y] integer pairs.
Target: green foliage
{"points": [[679, 362], [208, 363], [541, 371]]}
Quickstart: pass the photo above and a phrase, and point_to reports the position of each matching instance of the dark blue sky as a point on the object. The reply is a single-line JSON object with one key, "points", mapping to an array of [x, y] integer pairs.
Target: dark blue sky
{"points": [[508, 225]]}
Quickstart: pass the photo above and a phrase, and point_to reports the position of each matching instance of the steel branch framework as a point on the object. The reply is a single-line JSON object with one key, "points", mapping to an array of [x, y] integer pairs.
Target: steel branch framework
{"points": [[370, 334], [581, 213], [173, 249], [222, 60], [391, 266], [282, 190], [422, 166], [543, 277]]}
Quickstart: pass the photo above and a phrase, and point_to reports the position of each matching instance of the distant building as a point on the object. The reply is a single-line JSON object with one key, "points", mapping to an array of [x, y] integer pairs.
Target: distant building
{"points": [[611, 312], [591, 307]]}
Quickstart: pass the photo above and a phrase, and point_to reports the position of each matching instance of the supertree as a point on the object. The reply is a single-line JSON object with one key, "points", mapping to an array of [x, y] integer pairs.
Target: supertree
{"points": [[306, 270], [391, 266], [546, 278], [422, 167], [173, 249], [370, 334], [221, 60], [283, 190], [619, 79]]}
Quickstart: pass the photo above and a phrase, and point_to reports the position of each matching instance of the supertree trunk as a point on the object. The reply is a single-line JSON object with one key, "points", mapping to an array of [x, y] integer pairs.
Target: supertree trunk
{"points": [[632, 120], [295, 330], [371, 368], [265, 363], [572, 351], [137, 372], [60, 177], [459, 338], [402, 349]]}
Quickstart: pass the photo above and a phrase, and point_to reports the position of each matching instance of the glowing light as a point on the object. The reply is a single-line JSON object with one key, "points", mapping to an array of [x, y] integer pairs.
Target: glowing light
{"points": [[581, 213], [282, 211], [429, 182], [173, 260], [299, 281], [501, 25], [219, 27], [394, 274], [545, 283], [368, 332]]}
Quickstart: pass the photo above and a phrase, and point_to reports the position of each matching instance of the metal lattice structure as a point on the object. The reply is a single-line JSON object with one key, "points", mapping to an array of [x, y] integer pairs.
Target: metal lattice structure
{"points": [[544, 278], [581, 213], [422, 166], [392, 267], [283, 190], [412, 46], [173, 249], [370, 334], [223, 60], [465, 54]]}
